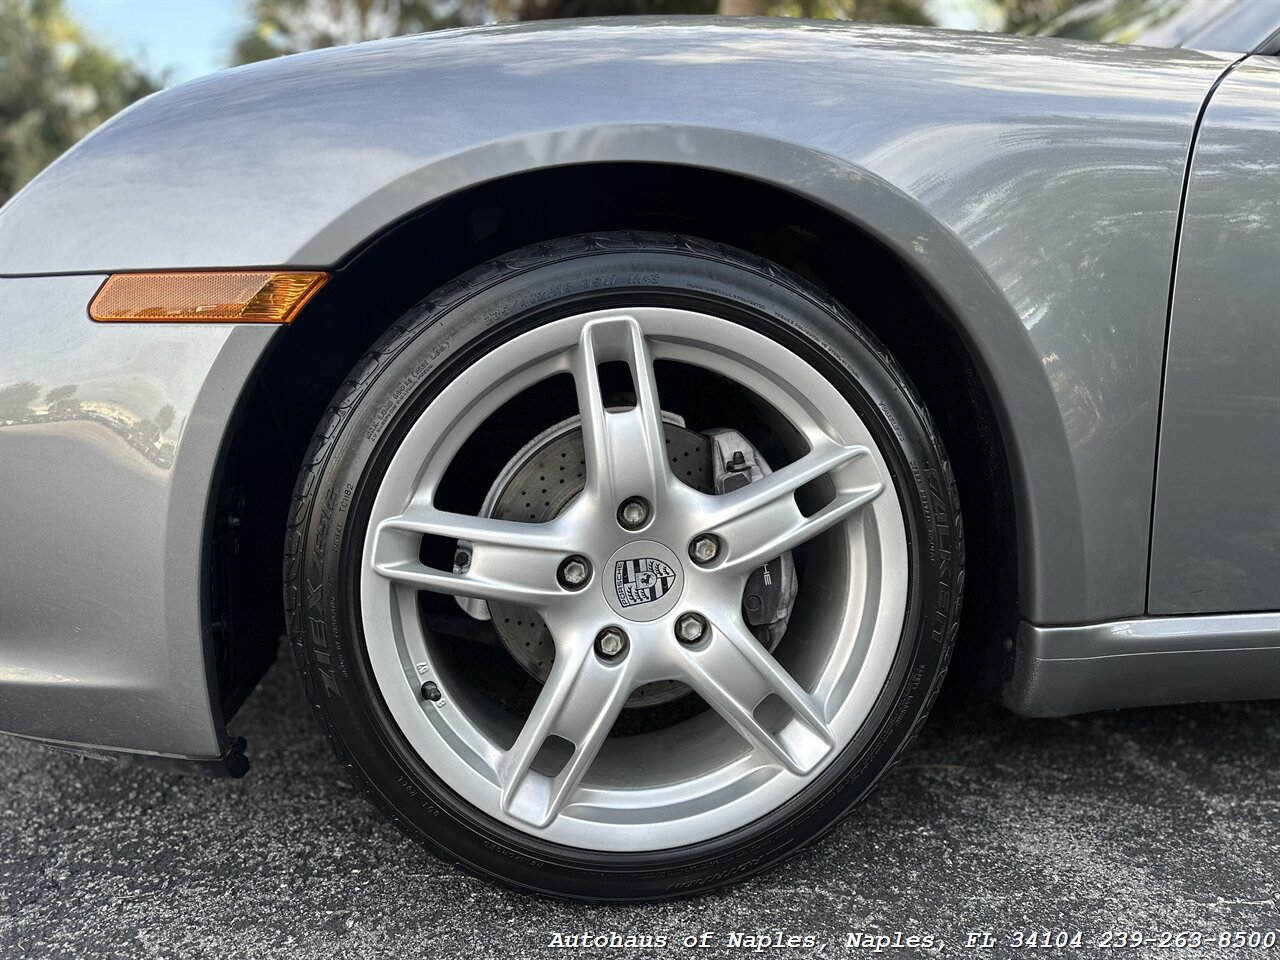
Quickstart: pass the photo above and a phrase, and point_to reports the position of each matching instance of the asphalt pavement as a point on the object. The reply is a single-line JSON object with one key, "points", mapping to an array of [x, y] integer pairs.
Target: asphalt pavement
{"points": [[1129, 828]]}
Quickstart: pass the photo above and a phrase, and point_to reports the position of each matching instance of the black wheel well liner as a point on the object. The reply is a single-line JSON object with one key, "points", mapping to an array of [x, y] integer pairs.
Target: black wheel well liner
{"points": [[388, 274]]}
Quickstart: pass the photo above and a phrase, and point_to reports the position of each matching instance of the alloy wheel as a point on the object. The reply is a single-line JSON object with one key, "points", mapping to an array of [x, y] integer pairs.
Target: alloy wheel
{"points": [[776, 717]]}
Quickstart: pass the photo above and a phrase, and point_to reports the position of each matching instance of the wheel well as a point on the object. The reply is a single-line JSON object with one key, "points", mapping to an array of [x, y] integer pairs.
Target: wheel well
{"points": [[385, 277]]}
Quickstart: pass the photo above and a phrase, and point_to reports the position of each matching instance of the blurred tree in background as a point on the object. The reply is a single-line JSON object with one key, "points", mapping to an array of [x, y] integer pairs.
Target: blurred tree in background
{"points": [[1021, 15], [55, 86], [278, 27], [289, 26]]}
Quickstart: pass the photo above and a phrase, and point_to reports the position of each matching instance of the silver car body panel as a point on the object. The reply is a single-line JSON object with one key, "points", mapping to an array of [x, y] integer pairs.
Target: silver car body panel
{"points": [[1215, 543], [1242, 26], [1238, 26], [102, 631], [1098, 666], [1033, 184]]}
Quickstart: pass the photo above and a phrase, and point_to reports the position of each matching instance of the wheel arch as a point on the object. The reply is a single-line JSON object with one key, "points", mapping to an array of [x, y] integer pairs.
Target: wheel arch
{"points": [[833, 223]]}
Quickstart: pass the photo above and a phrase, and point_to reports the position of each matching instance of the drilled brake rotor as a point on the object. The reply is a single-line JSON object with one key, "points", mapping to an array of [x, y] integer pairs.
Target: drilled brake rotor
{"points": [[542, 481]]}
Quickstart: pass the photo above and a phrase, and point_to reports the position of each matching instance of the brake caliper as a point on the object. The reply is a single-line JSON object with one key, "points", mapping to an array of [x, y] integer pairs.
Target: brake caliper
{"points": [[771, 587]]}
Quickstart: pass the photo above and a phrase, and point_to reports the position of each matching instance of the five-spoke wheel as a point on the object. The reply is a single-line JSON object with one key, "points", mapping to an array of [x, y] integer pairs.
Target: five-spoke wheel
{"points": [[652, 559]]}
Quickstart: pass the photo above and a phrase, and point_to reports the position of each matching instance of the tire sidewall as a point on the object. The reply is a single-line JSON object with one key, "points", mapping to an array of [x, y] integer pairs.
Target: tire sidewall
{"points": [[430, 346]]}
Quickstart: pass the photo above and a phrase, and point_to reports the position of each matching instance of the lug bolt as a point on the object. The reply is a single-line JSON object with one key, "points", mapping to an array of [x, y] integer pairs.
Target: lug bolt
{"points": [[430, 691], [462, 559], [704, 548], [611, 643], [691, 627], [574, 572], [633, 514]]}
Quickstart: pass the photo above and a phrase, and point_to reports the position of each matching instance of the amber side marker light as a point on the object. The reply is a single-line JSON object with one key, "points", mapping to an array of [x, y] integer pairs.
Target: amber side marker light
{"points": [[208, 297]]}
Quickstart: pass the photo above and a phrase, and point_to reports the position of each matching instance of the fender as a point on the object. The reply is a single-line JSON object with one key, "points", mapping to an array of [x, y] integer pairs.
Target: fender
{"points": [[1033, 184], [1006, 355]]}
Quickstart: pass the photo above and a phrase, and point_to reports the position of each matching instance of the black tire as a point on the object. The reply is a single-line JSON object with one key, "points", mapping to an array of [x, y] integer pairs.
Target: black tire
{"points": [[428, 347]]}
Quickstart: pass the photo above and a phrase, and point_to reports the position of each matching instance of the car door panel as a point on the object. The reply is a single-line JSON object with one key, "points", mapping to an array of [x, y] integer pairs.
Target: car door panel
{"points": [[1216, 531]]}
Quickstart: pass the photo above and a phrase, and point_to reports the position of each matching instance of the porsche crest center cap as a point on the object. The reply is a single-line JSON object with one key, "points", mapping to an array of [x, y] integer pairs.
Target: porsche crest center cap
{"points": [[643, 580]]}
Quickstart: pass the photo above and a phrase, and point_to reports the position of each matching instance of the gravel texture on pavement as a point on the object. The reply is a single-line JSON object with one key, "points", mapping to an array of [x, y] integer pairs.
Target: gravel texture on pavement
{"points": [[1157, 821]]}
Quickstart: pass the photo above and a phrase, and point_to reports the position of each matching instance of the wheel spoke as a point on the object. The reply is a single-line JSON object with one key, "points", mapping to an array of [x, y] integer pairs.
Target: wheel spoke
{"points": [[742, 682], [625, 449], [515, 562], [578, 705], [762, 521]]}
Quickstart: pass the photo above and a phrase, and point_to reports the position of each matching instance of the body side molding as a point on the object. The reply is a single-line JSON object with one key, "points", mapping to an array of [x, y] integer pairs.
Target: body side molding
{"points": [[1153, 660]]}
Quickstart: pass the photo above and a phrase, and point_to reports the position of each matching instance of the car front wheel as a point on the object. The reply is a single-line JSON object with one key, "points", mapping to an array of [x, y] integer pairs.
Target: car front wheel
{"points": [[623, 566]]}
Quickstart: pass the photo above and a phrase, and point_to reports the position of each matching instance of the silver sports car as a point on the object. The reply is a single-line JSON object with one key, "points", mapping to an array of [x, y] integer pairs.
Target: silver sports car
{"points": [[613, 415]]}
